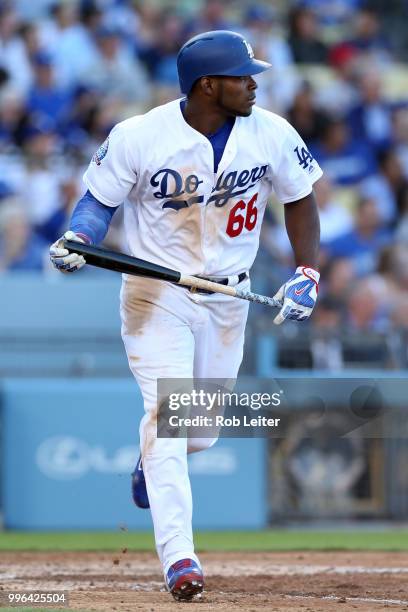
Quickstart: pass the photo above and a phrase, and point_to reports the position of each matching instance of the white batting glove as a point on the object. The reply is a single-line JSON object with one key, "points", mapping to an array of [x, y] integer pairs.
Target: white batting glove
{"points": [[62, 259], [298, 295]]}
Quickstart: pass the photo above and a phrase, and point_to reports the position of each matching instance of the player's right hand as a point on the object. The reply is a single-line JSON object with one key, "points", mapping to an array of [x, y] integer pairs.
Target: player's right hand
{"points": [[62, 259]]}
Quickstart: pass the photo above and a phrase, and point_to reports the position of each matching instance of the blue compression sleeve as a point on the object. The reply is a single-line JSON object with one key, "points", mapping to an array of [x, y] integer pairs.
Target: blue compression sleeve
{"points": [[91, 219]]}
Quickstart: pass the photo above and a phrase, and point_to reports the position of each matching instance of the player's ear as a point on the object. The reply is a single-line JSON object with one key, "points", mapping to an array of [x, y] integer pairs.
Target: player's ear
{"points": [[208, 85]]}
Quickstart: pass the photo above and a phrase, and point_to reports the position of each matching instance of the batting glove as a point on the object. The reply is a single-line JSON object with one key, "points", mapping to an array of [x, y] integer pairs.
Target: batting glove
{"points": [[62, 259], [298, 295]]}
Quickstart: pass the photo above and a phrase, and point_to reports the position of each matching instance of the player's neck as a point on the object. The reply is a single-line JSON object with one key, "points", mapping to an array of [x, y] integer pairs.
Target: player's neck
{"points": [[204, 120]]}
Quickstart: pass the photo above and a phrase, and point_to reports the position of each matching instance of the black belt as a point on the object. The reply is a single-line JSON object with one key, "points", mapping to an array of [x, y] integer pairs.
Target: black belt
{"points": [[220, 281]]}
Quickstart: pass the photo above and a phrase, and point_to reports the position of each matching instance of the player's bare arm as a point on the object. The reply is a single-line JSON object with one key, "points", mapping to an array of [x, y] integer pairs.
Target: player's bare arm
{"points": [[298, 296], [303, 229]]}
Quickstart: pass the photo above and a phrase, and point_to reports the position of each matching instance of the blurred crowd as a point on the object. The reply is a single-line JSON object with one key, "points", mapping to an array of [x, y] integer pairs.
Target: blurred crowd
{"points": [[70, 69]]}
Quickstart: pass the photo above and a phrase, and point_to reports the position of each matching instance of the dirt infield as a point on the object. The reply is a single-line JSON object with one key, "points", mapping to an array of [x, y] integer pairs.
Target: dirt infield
{"points": [[301, 582]]}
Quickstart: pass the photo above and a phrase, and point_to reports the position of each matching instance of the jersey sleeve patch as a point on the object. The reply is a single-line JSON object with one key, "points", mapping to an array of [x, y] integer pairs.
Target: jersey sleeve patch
{"points": [[305, 158], [101, 152], [295, 170]]}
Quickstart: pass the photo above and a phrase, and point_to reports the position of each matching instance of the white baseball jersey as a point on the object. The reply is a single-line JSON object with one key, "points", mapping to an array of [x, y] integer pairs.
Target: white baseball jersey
{"points": [[178, 212]]}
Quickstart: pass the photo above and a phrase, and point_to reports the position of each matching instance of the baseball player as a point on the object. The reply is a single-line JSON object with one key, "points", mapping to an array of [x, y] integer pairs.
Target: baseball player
{"points": [[195, 175]]}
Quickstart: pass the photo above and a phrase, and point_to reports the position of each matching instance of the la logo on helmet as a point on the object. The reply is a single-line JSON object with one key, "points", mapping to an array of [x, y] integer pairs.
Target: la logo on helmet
{"points": [[249, 49]]}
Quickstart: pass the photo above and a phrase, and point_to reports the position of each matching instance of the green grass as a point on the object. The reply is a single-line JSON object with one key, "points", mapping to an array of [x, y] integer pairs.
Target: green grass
{"points": [[274, 539]]}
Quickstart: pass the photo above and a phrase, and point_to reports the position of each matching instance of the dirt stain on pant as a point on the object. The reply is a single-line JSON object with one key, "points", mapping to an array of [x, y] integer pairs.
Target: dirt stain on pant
{"points": [[139, 299]]}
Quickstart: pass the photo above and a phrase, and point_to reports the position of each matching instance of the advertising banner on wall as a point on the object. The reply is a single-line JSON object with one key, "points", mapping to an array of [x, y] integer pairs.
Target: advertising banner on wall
{"points": [[69, 447]]}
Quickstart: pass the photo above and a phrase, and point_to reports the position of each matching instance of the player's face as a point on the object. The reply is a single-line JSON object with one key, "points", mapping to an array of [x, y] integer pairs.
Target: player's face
{"points": [[236, 95]]}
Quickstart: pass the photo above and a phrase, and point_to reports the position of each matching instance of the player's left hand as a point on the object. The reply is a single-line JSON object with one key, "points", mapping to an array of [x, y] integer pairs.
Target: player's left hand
{"points": [[298, 295]]}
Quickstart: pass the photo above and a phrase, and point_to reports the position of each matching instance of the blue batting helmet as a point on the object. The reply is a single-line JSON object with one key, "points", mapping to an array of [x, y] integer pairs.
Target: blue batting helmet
{"points": [[218, 53]]}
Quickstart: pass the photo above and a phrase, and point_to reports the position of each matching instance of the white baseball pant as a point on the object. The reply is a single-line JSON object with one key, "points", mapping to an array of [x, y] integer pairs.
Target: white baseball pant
{"points": [[170, 332]]}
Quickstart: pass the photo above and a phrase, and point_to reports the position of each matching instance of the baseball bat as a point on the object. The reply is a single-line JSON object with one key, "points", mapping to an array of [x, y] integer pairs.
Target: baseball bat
{"points": [[120, 262]]}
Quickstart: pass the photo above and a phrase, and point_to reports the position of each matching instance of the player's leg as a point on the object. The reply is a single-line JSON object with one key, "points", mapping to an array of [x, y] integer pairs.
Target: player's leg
{"points": [[219, 347], [160, 344]]}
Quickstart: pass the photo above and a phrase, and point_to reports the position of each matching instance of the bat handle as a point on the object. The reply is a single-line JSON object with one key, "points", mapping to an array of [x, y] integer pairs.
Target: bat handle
{"points": [[258, 299]]}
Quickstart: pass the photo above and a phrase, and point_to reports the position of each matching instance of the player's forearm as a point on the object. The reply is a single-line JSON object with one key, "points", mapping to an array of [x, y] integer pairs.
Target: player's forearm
{"points": [[91, 219], [303, 228]]}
